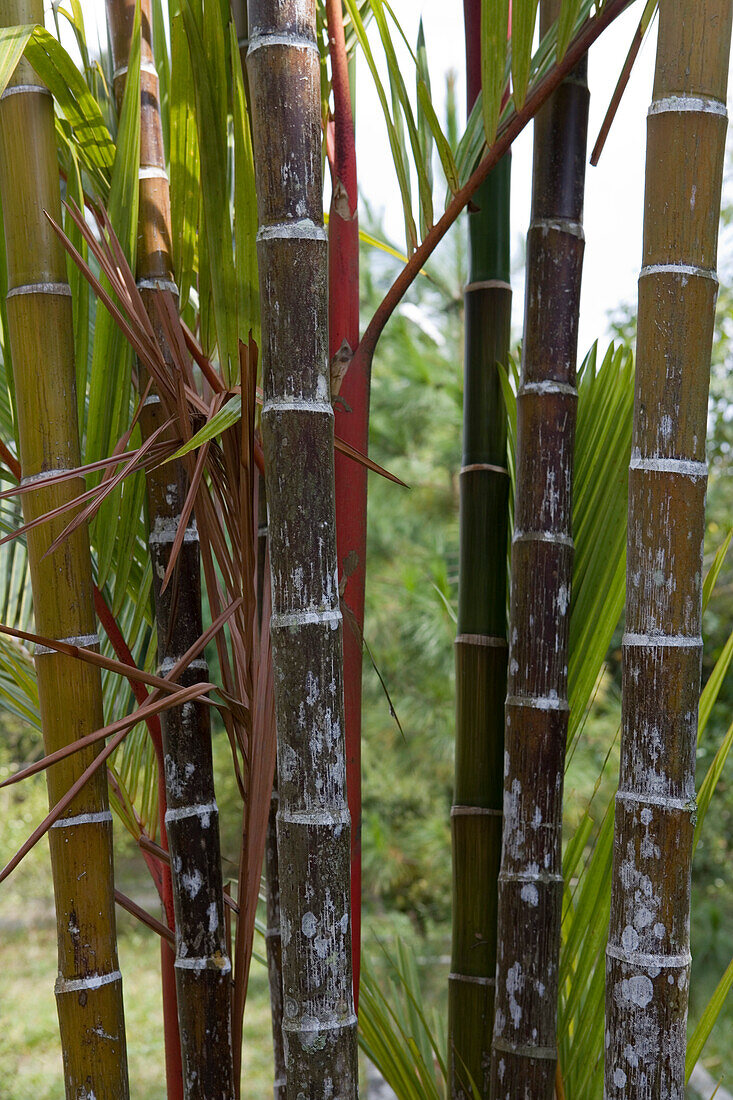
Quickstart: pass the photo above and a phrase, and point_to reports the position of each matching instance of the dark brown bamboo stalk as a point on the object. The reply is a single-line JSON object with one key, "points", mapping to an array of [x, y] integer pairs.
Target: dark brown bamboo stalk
{"points": [[273, 935], [648, 953], [530, 882], [297, 426], [202, 965], [89, 984], [481, 646]]}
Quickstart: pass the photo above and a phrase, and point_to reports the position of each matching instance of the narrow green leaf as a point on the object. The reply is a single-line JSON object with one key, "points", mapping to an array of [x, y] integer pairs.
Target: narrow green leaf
{"points": [[163, 68], [61, 76], [524, 15], [13, 41], [185, 164], [245, 206], [227, 416], [566, 26], [494, 27], [441, 142]]}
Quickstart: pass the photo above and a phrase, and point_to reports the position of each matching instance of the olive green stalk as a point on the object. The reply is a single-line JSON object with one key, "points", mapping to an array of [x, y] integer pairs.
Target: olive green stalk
{"points": [[89, 984], [648, 953], [319, 1024], [202, 966], [481, 646], [530, 882]]}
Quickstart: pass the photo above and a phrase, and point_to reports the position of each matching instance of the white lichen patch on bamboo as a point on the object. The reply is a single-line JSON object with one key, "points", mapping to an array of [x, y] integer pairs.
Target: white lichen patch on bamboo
{"points": [[682, 467], [297, 229], [538, 702], [161, 285], [217, 962], [543, 536], [165, 530]]}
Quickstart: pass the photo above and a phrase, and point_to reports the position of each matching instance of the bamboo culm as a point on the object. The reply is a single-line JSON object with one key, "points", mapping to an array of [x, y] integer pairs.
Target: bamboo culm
{"points": [[351, 411], [481, 646], [648, 952], [89, 984], [273, 936], [530, 882], [202, 966], [319, 1024]]}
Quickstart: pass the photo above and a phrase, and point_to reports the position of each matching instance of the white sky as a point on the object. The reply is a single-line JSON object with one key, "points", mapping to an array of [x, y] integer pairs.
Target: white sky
{"points": [[614, 190]]}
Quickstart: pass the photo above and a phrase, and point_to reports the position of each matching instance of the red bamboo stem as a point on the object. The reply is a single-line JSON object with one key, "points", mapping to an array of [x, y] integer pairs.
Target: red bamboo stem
{"points": [[352, 425]]}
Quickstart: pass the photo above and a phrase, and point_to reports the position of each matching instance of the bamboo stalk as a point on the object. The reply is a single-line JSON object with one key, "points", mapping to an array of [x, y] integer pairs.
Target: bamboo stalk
{"points": [[648, 952], [273, 934], [297, 427], [89, 984], [202, 967], [530, 882], [351, 412], [481, 647]]}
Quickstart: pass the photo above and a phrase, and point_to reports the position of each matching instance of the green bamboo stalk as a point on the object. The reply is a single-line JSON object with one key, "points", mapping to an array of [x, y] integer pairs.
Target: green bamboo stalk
{"points": [[89, 984], [297, 428], [648, 952], [530, 882], [202, 966], [481, 646]]}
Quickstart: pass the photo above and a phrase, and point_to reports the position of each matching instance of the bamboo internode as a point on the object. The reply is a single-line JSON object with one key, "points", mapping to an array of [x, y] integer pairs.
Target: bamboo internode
{"points": [[530, 881], [648, 954], [89, 985], [202, 966], [297, 427]]}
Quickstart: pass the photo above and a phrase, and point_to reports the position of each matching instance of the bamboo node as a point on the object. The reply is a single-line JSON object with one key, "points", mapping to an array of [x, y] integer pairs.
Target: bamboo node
{"points": [[62, 289], [101, 818], [169, 663], [82, 641], [494, 641], [40, 89], [660, 801], [644, 959], [474, 979], [656, 464], [145, 67], [283, 619], [295, 41], [165, 530], [152, 172], [477, 811], [201, 809], [46, 475], [487, 284], [547, 387], [323, 407], [319, 1025], [680, 104], [93, 981], [315, 817], [678, 641], [538, 702], [543, 536], [685, 270], [559, 225], [157, 284], [542, 1053], [299, 229], [474, 467], [219, 962]]}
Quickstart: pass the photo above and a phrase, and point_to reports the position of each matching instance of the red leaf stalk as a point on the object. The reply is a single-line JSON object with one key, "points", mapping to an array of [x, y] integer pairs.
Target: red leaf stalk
{"points": [[352, 425]]}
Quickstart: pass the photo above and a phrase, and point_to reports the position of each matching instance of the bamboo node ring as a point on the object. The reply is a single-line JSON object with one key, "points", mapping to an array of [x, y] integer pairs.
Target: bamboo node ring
{"points": [[81, 641]]}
